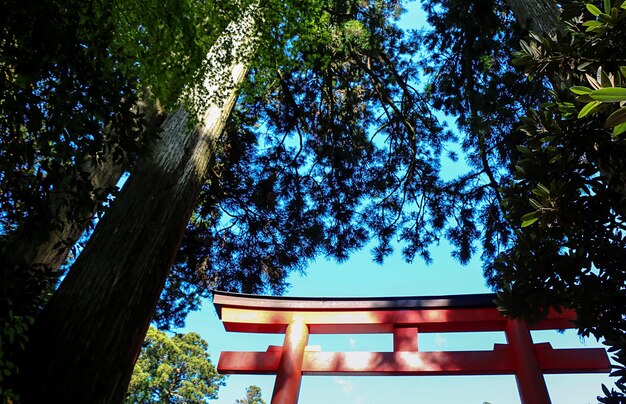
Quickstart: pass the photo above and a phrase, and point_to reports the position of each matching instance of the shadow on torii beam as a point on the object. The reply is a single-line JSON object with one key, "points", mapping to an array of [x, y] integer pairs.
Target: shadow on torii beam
{"points": [[404, 317]]}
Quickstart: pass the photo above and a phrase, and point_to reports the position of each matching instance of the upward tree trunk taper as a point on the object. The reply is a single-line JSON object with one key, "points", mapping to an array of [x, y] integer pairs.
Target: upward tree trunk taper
{"points": [[88, 337], [540, 16], [52, 246], [32, 254]]}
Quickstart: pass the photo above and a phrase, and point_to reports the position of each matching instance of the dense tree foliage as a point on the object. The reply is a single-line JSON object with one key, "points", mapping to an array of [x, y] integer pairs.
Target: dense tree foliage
{"points": [[56, 101], [76, 111], [70, 87], [568, 194], [105, 303], [368, 149], [174, 369], [470, 77], [253, 396], [551, 220], [333, 144]]}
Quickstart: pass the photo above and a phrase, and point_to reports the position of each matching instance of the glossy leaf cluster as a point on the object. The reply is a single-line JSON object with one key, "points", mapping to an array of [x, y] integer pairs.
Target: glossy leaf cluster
{"points": [[567, 199]]}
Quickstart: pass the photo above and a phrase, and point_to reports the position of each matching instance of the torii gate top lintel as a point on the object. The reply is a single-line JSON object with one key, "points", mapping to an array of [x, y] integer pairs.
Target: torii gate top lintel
{"points": [[404, 317], [221, 299], [357, 315]]}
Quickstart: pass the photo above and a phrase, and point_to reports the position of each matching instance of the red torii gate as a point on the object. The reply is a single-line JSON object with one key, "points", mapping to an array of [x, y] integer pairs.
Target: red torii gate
{"points": [[404, 317]]}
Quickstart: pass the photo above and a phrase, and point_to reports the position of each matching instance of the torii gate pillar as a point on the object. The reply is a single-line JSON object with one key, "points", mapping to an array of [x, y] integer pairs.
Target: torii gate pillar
{"points": [[289, 375], [530, 382]]}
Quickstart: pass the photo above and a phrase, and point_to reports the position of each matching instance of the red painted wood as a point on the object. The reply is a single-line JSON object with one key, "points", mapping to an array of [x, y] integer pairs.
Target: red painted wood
{"points": [[498, 361], [405, 339], [297, 317], [258, 363], [289, 375], [572, 360], [530, 382], [379, 321]]}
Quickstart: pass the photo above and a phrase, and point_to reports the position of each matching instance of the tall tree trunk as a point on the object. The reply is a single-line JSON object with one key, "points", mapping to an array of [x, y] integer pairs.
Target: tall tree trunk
{"points": [[540, 16], [88, 337], [33, 254], [50, 248]]}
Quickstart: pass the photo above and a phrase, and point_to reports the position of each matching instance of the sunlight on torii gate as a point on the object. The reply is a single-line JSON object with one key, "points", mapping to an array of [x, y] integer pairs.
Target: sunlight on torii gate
{"points": [[403, 317]]}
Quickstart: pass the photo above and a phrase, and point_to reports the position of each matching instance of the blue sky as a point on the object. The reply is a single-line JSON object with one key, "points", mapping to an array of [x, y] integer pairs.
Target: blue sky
{"points": [[359, 276]]}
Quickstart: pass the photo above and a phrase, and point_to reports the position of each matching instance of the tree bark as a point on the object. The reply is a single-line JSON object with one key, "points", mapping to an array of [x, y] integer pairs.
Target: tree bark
{"points": [[540, 16], [33, 254], [49, 250], [89, 335]]}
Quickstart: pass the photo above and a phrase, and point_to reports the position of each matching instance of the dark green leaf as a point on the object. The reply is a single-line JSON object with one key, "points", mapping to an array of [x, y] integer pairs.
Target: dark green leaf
{"points": [[543, 189], [605, 18], [593, 9], [581, 90], [619, 129], [587, 109], [528, 222], [592, 24], [616, 118], [609, 94], [531, 215]]}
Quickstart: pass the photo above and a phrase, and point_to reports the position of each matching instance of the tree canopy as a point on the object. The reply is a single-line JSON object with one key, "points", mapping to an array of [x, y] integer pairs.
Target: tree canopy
{"points": [[330, 145], [77, 109], [335, 142], [71, 86], [174, 369], [555, 152], [367, 72], [568, 195], [253, 396]]}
